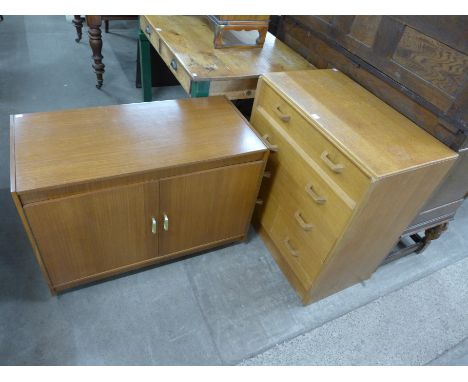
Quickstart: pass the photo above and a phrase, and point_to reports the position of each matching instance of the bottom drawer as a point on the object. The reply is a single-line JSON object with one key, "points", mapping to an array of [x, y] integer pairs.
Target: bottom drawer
{"points": [[295, 249]]}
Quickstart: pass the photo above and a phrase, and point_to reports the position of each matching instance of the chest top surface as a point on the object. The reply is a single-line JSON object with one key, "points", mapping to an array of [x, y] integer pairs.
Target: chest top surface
{"points": [[66, 147], [374, 135], [191, 39]]}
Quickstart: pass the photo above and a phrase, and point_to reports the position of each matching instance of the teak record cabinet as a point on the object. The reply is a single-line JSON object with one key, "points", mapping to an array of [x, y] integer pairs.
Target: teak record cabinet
{"points": [[105, 190], [346, 176]]}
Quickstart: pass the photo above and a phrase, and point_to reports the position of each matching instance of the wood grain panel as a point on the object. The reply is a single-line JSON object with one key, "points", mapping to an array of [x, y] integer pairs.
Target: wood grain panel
{"points": [[433, 61], [364, 28], [385, 214], [88, 234], [191, 41], [385, 142], [94, 144], [207, 206]]}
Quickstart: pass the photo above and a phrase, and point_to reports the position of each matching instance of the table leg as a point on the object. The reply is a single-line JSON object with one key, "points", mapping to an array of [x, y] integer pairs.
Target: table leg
{"points": [[145, 67], [95, 41], [78, 22]]}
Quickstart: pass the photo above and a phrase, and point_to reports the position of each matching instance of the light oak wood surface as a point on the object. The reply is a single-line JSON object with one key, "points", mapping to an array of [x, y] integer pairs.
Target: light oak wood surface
{"points": [[83, 145], [185, 43], [378, 172], [351, 118], [191, 40]]}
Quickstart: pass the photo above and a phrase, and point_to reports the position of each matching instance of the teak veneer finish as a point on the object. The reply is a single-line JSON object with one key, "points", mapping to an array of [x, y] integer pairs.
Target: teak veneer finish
{"points": [[346, 176], [88, 183]]}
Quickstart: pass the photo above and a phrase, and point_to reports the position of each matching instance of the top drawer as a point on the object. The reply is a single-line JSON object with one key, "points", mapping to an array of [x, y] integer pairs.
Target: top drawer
{"points": [[337, 165]]}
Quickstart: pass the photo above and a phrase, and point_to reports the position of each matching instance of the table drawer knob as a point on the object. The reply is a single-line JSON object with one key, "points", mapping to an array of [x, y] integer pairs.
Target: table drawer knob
{"points": [[284, 117], [271, 146], [335, 167], [148, 30], [174, 64], [313, 194], [304, 225], [287, 243]]}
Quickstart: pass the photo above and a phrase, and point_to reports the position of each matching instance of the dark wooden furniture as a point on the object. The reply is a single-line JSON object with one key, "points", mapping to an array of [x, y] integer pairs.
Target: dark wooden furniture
{"points": [[228, 30], [105, 190], [95, 38], [416, 64]]}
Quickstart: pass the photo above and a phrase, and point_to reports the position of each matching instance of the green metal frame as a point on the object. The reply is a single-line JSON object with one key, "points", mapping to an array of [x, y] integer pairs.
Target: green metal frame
{"points": [[145, 66], [199, 89]]}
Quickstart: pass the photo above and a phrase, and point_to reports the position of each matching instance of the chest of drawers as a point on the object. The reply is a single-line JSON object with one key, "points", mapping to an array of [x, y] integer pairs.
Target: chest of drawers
{"points": [[345, 177], [105, 190]]}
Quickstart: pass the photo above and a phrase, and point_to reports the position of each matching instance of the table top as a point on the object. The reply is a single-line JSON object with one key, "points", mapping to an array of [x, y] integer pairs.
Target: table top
{"points": [[371, 132], [52, 149], [191, 40]]}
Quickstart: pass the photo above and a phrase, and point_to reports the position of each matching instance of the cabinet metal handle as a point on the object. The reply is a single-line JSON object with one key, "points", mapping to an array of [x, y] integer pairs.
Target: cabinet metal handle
{"points": [[174, 64], [287, 243], [166, 223], [148, 30], [305, 226], [335, 167], [154, 226], [259, 202], [284, 117], [316, 197], [272, 147]]}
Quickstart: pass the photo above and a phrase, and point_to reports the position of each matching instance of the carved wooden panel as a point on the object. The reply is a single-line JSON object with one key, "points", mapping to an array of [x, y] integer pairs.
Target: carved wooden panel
{"points": [[364, 28], [431, 60]]}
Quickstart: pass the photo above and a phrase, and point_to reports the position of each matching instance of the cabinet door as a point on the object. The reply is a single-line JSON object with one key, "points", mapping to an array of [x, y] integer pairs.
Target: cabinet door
{"points": [[208, 207], [91, 235]]}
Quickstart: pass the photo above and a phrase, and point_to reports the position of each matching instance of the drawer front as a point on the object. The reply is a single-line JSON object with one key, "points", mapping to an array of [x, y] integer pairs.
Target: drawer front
{"points": [[168, 57], [337, 165], [296, 251], [322, 222], [175, 66], [322, 199]]}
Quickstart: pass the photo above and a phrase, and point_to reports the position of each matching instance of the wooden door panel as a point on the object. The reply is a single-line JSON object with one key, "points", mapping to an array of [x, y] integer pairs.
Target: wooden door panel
{"points": [[81, 236], [207, 207]]}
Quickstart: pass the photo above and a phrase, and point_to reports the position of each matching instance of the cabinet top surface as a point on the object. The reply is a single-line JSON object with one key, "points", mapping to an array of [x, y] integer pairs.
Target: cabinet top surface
{"points": [[191, 39], [374, 135], [67, 147]]}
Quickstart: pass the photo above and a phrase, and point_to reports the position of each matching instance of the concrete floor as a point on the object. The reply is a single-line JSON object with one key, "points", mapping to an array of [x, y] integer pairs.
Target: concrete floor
{"points": [[226, 306]]}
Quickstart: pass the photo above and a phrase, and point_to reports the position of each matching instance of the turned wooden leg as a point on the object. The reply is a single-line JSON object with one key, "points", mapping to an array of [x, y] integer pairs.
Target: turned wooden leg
{"points": [[432, 234], [95, 41], [78, 22]]}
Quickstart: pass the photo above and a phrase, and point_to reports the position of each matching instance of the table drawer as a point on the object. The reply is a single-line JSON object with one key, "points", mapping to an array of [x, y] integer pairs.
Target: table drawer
{"points": [[175, 66], [305, 172], [166, 54], [336, 164], [297, 252]]}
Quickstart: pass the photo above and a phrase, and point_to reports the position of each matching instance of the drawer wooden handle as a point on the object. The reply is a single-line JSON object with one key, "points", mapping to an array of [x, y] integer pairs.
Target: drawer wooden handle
{"points": [[313, 194], [284, 117], [154, 226], [287, 243], [166, 223], [271, 146], [335, 167], [305, 226]]}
